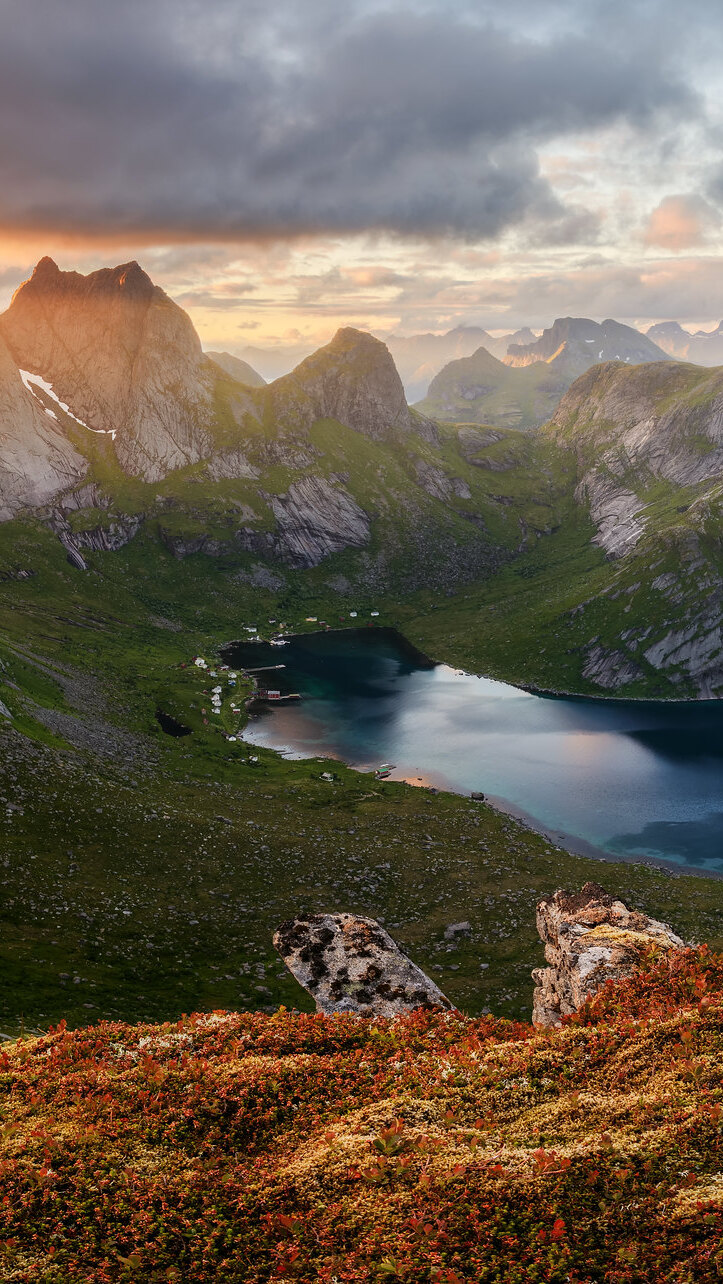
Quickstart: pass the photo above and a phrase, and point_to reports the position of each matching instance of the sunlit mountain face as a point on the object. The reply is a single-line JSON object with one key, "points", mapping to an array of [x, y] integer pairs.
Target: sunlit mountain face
{"points": [[403, 169]]}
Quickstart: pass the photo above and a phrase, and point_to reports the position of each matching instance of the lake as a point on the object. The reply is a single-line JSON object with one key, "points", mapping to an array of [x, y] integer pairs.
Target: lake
{"points": [[631, 779]]}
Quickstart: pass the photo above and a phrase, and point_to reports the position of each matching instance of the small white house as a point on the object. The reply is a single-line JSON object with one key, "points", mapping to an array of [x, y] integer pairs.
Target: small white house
{"points": [[200, 663]]}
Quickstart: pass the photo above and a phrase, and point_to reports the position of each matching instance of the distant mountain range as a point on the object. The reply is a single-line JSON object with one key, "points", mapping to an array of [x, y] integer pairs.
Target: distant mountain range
{"points": [[702, 348], [418, 357], [523, 390]]}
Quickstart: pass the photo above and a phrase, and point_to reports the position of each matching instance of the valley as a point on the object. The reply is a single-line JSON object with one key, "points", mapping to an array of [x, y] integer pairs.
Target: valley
{"points": [[144, 872]]}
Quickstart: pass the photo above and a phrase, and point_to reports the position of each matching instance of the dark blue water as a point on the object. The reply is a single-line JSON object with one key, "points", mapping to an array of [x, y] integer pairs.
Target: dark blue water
{"points": [[633, 779]]}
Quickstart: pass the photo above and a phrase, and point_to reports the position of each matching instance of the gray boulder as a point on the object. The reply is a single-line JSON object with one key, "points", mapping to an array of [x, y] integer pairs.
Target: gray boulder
{"points": [[350, 964]]}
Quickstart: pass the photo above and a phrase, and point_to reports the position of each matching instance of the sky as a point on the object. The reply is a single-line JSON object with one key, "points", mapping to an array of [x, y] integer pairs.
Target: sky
{"points": [[283, 167]]}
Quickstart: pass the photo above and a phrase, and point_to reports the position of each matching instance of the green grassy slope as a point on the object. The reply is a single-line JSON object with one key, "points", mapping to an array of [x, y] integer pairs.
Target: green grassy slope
{"points": [[142, 875]]}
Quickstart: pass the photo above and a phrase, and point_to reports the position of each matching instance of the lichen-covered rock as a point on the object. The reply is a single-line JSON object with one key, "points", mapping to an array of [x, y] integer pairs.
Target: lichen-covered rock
{"points": [[589, 938], [350, 964]]}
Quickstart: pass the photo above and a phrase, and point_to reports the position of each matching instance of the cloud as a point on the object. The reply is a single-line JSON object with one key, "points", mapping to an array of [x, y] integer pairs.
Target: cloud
{"points": [[661, 289], [679, 223], [242, 119]]}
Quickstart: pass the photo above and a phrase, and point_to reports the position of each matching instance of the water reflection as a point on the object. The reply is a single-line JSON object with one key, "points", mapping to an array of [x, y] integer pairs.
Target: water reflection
{"points": [[633, 779]]}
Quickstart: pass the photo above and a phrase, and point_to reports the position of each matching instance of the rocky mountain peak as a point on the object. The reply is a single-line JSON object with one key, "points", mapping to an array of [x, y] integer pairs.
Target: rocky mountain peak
{"points": [[353, 379], [45, 269], [121, 355]]}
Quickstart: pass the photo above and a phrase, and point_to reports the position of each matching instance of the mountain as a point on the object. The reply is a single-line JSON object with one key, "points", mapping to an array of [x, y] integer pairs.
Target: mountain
{"points": [[238, 369], [523, 390], [482, 389], [354, 380], [122, 355], [648, 442], [704, 347], [602, 530], [123, 426], [578, 343], [419, 357]]}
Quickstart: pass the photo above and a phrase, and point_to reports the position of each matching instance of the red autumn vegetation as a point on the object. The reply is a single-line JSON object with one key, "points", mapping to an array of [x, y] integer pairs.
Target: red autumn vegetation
{"points": [[431, 1150]]}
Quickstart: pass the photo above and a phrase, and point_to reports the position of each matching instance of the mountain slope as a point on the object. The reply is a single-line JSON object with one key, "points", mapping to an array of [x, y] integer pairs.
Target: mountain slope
{"points": [[523, 390], [237, 369], [235, 1147], [36, 459]]}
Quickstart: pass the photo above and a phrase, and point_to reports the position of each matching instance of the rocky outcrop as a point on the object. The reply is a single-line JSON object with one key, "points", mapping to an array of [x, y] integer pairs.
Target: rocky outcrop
{"points": [[351, 964], [37, 462], [113, 534], [438, 484], [316, 518], [122, 356], [589, 938], [353, 380], [231, 464], [609, 669]]}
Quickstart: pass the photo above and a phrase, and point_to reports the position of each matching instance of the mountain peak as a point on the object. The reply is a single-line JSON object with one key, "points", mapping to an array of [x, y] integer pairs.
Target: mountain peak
{"points": [[45, 267], [347, 336], [121, 354], [352, 379]]}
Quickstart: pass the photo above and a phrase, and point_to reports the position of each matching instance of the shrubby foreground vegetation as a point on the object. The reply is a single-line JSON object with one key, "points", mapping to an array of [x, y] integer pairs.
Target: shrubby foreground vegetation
{"points": [[234, 1147]]}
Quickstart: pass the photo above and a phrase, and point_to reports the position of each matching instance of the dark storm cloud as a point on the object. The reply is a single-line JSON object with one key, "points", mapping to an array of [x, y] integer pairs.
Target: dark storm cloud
{"points": [[250, 119]]}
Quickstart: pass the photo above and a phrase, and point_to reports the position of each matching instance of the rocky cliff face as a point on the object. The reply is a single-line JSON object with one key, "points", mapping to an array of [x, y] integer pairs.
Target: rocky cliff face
{"points": [[633, 427], [316, 518], [122, 356], [37, 461], [590, 938]]}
